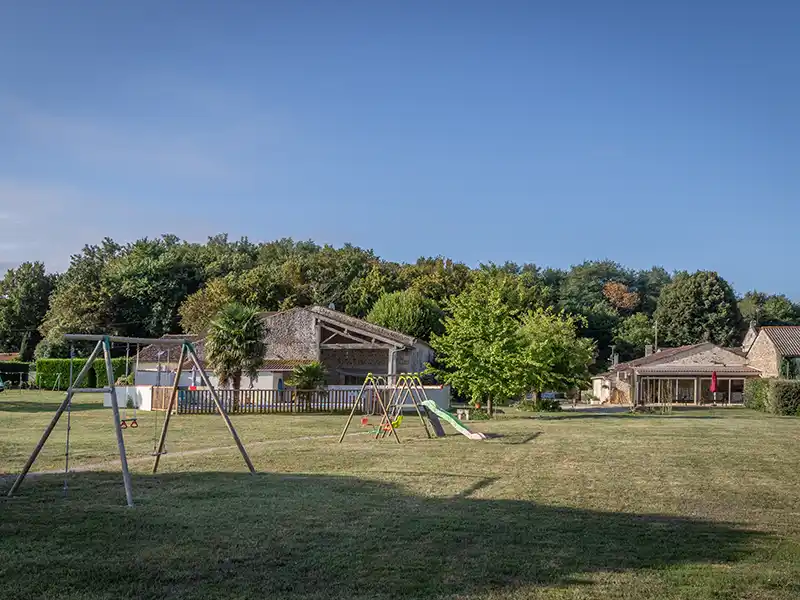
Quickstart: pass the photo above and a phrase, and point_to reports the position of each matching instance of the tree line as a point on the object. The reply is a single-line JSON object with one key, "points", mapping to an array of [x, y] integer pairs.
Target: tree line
{"points": [[151, 287]]}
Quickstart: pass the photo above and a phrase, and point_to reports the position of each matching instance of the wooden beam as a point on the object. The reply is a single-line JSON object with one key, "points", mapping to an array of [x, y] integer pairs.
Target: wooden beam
{"points": [[364, 346], [333, 326], [344, 333]]}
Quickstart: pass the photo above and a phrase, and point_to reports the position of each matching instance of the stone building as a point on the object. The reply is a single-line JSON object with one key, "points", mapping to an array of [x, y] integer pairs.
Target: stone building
{"points": [[683, 374], [677, 375], [774, 350], [348, 347]]}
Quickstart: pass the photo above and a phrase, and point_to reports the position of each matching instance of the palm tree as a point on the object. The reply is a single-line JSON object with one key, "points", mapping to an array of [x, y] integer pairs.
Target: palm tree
{"points": [[307, 378], [235, 346]]}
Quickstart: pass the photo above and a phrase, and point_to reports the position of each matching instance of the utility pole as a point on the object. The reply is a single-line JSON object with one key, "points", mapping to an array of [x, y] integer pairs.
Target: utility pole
{"points": [[655, 345]]}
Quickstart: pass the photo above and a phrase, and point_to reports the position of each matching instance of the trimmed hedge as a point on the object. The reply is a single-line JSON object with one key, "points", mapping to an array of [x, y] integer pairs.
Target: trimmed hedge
{"points": [[48, 369], [755, 393], [784, 397], [118, 365], [775, 396], [11, 370]]}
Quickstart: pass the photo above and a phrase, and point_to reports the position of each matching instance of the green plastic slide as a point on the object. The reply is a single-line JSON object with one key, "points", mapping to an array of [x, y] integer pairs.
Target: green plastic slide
{"points": [[431, 406]]}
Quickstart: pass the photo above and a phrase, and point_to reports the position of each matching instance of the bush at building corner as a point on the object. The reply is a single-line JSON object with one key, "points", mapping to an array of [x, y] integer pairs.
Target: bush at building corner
{"points": [[774, 396], [784, 397], [755, 393]]}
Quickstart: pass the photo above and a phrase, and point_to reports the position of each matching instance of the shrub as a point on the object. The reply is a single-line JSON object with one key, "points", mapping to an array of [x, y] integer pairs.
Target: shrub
{"points": [[755, 393], [478, 414], [118, 364], [540, 405], [12, 370], [784, 397], [48, 370], [775, 396]]}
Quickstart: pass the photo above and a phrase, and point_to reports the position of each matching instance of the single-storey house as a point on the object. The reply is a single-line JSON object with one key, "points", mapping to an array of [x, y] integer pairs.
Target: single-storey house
{"points": [[683, 374], [677, 375], [348, 347]]}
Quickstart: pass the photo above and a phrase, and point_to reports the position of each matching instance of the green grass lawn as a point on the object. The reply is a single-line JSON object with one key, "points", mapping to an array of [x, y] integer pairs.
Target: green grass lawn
{"points": [[698, 504]]}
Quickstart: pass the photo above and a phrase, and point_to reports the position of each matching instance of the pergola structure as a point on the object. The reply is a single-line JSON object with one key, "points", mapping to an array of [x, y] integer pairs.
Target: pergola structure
{"points": [[104, 345]]}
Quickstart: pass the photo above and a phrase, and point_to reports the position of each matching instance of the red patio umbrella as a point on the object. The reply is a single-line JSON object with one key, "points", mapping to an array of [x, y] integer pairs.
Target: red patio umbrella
{"points": [[714, 382]]}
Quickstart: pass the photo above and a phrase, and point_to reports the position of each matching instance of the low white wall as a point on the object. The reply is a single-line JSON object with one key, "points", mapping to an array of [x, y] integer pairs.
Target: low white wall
{"points": [[140, 395], [267, 380]]}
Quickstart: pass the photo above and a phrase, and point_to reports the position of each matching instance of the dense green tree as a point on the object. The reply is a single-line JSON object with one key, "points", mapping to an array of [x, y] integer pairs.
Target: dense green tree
{"points": [[235, 345], [81, 303], [200, 308], [221, 257], [632, 335], [767, 309], [700, 307], [149, 280], [382, 278], [24, 300], [408, 312], [481, 350], [649, 284], [437, 277], [557, 358], [581, 290]]}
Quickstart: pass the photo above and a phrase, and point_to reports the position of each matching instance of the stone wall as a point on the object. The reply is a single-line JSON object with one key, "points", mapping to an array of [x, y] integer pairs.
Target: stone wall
{"points": [[764, 356], [291, 335], [749, 338]]}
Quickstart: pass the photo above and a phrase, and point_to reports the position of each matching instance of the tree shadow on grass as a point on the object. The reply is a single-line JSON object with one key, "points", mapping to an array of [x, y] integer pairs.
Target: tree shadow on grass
{"points": [[224, 535], [34, 406]]}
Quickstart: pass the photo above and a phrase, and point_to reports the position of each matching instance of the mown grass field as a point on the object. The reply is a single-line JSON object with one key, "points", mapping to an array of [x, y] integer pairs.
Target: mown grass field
{"points": [[693, 505]]}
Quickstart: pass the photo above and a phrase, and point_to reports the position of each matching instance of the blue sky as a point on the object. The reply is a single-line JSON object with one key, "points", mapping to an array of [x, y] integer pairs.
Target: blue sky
{"points": [[546, 132]]}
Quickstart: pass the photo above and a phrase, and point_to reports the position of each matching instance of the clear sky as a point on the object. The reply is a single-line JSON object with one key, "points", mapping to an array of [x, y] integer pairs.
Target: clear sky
{"points": [[551, 132]]}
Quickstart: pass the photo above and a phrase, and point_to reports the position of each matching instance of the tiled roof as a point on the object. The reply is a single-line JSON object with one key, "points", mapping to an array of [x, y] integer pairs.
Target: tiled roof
{"points": [[7, 356], [690, 370], [662, 354], [785, 337], [149, 354]]}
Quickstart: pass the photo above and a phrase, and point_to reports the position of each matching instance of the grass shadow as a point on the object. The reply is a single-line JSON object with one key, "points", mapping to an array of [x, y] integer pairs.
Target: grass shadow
{"points": [[34, 406], [226, 535]]}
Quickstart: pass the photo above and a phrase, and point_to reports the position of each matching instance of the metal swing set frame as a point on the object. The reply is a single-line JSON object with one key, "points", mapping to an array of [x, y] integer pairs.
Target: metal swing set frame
{"points": [[392, 392], [104, 345]]}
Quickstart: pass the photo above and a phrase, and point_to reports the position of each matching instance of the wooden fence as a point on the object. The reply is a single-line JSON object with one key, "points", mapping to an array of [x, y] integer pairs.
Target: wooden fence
{"points": [[200, 401]]}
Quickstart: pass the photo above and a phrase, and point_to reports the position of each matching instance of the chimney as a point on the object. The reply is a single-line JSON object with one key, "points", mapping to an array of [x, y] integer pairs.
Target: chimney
{"points": [[614, 359], [648, 349]]}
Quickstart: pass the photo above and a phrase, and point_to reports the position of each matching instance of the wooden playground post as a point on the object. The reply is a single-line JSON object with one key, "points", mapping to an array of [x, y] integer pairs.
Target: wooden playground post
{"points": [[123, 459], [54, 421], [220, 408], [172, 397]]}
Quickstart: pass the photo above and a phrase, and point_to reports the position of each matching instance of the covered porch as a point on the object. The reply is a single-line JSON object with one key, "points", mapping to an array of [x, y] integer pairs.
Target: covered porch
{"points": [[688, 384]]}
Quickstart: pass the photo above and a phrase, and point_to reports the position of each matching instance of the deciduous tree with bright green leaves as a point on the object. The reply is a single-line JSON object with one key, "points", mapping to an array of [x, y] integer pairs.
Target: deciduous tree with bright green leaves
{"points": [[556, 358], [24, 299], [480, 352]]}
